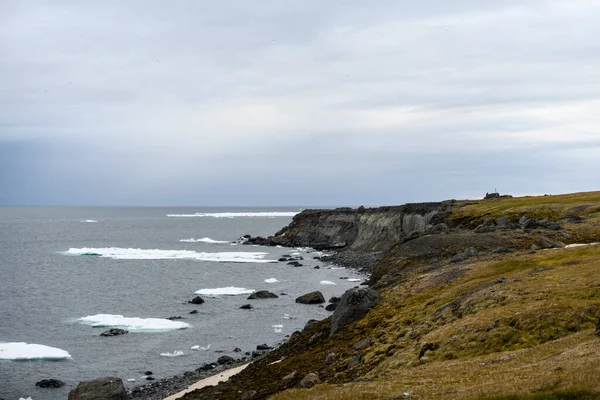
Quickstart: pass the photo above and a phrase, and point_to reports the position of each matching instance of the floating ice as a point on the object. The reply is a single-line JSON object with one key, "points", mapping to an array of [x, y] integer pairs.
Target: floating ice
{"points": [[337, 268], [327, 283], [20, 351], [277, 326], [131, 380], [147, 254], [271, 280], [90, 220], [268, 214], [196, 347], [277, 330], [22, 398], [205, 348], [296, 254], [354, 280], [286, 316], [204, 240], [132, 324], [176, 353], [225, 291]]}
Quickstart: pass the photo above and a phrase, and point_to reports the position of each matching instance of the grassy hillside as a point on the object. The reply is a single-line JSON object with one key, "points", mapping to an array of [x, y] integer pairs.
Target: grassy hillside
{"points": [[495, 325]]}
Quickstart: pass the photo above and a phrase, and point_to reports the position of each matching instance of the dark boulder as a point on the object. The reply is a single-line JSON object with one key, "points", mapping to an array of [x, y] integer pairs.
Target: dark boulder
{"points": [[148, 373], [246, 307], [294, 264], [194, 312], [263, 347], [331, 307], [225, 360], [356, 360], [50, 383], [310, 380], [334, 299], [237, 350], [174, 318], [114, 332], [283, 259], [354, 305], [309, 323], [108, 388], [262, 294], [206, 367], [196, 300], [315, 297]]}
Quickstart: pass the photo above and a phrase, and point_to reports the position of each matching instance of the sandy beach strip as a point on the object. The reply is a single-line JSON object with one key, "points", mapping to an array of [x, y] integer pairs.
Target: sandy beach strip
{"points": [[210, 381]]}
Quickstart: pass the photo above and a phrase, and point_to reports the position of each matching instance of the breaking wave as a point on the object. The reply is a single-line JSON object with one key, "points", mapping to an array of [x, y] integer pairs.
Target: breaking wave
{"points": [[268, 214], [204, 240], [224, 291], [133, 324], [148, 254], [21, 351]]}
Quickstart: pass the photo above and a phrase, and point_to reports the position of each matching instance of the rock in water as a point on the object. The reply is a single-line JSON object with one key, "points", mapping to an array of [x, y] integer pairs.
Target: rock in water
{"points": [[310, 380], [114, 332], [225, 360], [196, 300], [311, 298], [246, 307], [262, 294], [263, 347], [354, 305], [50, 383], [108, 388]]}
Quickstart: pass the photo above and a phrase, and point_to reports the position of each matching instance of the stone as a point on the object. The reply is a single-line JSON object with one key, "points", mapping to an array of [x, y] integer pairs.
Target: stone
{"points": [[363, 343], [290, 376], [194, 312], [246, 307], [148, 373], [196, 300], [316, 267], [310, 380], [426, 347], [108, 388], [225, 360], [309, 323], [355, 361], [237, 350], [330, 358], [114, 332], [149, 378], [354, 305], [331, 307], [174, 318], [262, 294], [205, 367], [248, 395], [283, 259], [263, 347], [50, 383], [315, 297], [544, 243], [334, 299], [597, 331], [294, 264]]}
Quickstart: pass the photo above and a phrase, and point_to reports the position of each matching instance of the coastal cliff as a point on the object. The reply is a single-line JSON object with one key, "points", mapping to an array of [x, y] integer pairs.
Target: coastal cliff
{"points": [[492, 299]]}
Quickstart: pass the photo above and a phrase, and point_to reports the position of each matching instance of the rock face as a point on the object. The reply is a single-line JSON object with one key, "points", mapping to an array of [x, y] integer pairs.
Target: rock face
{"points": [[310, 380], [262, 294], [108, 388], [114, 332], [50, 383], [354, 305], [311, 298], [363, 229]]}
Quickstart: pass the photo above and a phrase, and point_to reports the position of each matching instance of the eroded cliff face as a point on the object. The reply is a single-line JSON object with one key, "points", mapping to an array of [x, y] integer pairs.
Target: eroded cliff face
{"points": [[362, 229]]}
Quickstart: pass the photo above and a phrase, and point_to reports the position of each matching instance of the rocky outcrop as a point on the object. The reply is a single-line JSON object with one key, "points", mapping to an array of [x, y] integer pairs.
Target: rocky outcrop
{"points": [[363, 229], [108, 388], [262, 294], [354, 305], [50, 383]]}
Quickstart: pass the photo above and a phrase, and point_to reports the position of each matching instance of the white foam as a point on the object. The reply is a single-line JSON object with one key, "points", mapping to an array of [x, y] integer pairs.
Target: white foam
{"points": [[204, 240], [90, 220], [148, 254], [20, 351], [133, 324], [327, 283], [354, 280], [225, 291], [268, 214], [176, 353], [277, 330], [205, 348], [337, 268], [271, 280], [22, 398]]}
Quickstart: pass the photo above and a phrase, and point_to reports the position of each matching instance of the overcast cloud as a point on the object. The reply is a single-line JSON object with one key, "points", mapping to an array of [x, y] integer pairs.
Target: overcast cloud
{"points": [[296, 102]]}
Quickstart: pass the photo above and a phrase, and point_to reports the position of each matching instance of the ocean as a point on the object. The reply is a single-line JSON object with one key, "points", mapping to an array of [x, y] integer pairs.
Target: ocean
{"points": [[61, 264]]}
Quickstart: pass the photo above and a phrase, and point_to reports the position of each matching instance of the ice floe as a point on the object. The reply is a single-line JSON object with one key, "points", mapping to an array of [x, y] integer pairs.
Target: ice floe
{"points": [[118, 253], [131, 380], [21, 351], [176, 353], [277, 326], [89, 220], [327, 283], [271, 280], [196, 347], [205, 348], [23, 398], [132, 324], [268, 214], [224, 291], [354, 280], [204, 240], [337, 268]]}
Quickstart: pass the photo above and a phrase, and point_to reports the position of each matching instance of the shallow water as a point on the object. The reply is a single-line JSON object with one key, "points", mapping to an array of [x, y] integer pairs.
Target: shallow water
{"points": [[42, 292]]}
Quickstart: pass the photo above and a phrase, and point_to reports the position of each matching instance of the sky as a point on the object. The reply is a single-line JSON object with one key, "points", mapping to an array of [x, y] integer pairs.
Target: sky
{"points": [[296, 102]]}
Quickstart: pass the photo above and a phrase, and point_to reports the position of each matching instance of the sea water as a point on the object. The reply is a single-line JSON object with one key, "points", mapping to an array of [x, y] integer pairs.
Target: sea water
{"points": [[68, 274]]}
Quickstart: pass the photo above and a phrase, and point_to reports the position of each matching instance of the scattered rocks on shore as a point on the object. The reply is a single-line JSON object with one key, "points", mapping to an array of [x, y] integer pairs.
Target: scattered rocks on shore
{"points": [[114, 332], [50, 383], [263, 347], [315, 297], [108, 388], [225, 360]]}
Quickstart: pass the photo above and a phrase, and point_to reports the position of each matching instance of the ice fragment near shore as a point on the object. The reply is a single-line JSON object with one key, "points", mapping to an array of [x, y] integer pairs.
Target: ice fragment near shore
{"points": [[327, 283], [132, 324], [21, 351], [176, 353], [271, 280], [225, 291], [204, 240], [155, 254], [354, 280]]}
